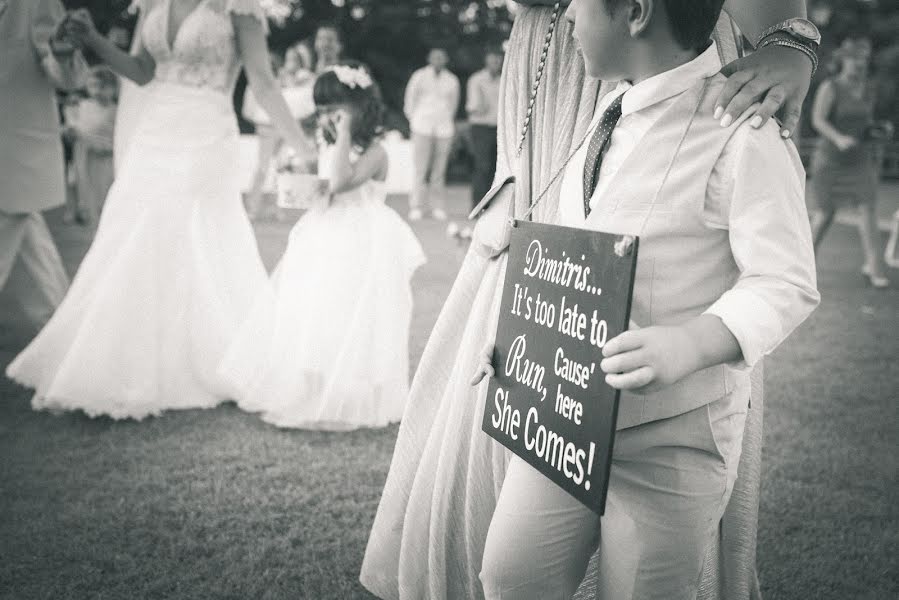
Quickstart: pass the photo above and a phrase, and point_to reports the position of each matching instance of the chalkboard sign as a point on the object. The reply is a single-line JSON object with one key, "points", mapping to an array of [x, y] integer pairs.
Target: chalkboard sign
{"points": [[566, 293]]}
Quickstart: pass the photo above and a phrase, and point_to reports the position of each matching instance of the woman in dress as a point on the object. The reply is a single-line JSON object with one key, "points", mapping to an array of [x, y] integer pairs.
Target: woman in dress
{"points": [[428, 536], [844, 167], [174, 267]]}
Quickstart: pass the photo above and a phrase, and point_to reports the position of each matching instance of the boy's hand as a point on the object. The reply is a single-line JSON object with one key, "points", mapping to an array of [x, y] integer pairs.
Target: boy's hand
{"points": [[646, 360], [485, 366]]}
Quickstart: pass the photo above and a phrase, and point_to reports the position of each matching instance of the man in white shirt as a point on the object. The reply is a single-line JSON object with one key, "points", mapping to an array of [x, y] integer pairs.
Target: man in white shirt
{"points": [[481, 103], [431, 102], [725, 272]]}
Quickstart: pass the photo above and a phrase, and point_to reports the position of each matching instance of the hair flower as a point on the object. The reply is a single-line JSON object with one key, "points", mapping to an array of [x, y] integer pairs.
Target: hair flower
{"points": [[352, 77]]}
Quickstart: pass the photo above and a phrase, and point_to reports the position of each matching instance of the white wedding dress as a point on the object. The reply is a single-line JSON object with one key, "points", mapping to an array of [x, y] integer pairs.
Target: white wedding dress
{"points": [[174, 267]]}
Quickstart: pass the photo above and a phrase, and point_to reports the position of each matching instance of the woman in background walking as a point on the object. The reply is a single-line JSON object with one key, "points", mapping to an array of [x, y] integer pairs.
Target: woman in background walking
{"points": [[844, 167]]}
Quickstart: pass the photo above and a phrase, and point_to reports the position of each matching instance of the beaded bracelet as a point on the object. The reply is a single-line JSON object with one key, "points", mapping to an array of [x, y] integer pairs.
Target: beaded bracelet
{"points": [[788, 41]]}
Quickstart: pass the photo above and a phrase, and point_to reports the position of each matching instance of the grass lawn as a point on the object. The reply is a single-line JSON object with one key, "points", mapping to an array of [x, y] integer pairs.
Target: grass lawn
{"points": [[216, 504]]}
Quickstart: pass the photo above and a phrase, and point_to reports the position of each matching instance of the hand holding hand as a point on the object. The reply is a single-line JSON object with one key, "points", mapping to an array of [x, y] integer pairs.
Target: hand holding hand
{"points": [[485, 365], [646, 360], [79, 25], [61, 43], [776, 77]]}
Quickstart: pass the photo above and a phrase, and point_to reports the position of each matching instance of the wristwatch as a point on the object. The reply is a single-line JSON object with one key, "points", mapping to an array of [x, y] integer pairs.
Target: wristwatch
{"points": [[802, 30]]}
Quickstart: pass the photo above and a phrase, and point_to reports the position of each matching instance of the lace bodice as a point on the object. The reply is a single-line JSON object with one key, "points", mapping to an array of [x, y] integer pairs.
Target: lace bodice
{"points": [[204, 52]]}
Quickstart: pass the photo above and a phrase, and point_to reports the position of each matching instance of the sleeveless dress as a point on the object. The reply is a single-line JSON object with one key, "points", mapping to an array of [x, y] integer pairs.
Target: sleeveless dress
{"points": [[846, 177], [427, 539], [326, 345], [174, 267]]}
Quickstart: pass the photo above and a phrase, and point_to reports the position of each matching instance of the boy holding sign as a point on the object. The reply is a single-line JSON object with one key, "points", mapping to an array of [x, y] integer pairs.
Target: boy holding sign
{"points": [[725, 271]]}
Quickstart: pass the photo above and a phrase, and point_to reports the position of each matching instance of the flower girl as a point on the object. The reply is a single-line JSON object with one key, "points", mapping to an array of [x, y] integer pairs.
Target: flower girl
{"points": [[326, 346]]}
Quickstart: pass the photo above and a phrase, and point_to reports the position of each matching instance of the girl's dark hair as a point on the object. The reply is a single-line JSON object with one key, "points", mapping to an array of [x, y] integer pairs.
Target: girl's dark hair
{"points": [[369, 106]]}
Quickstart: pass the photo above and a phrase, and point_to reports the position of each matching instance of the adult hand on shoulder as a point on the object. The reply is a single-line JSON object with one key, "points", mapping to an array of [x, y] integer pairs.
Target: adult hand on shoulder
{"points": [[775, 76]]}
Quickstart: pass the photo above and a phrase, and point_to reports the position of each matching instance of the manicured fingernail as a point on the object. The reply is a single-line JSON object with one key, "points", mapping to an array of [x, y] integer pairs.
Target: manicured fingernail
{"points": [[785, 133], [756, 121], [718, 112], [727, 120]]}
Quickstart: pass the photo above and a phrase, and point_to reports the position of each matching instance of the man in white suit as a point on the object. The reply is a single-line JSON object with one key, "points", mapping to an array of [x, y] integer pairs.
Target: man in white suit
{"points": [[33, 63]]}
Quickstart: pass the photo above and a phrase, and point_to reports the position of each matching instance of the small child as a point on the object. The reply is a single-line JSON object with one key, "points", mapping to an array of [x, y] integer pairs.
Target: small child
{"points": [[725, 272], [326, 345], [89, 126]]}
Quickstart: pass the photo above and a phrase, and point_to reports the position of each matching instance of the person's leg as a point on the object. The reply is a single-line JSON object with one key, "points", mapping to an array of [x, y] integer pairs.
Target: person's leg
{"points": [[870, 237], [71, 205], [670, 482], [268, 142], [422, 154], [41, 283], [442, 148], [12, 232], [483, 149], [540, 539], [821, 222]]}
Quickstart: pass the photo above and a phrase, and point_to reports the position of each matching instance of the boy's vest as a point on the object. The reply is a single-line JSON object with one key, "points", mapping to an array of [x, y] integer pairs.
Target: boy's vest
{"points": [[683, 265]]}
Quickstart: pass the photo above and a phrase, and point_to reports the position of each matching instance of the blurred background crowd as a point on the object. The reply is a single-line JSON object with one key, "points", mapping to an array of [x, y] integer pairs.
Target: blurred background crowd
{"points": [[394, 39]]}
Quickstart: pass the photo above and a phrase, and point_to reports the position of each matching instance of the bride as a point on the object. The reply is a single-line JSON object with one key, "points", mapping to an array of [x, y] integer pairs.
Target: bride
{"points": [[174, 266]]}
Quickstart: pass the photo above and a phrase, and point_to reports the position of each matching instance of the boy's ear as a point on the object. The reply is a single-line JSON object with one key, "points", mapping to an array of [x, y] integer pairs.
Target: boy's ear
{"points": [[639, 16]]}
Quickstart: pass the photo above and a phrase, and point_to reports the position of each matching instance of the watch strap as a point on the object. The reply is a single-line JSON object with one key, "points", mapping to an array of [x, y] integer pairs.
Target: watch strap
{"points": [[786, 28]]}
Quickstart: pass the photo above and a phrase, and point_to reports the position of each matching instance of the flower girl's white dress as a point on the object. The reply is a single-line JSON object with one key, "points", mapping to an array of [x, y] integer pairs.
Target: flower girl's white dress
{"points": [[326, 345]]}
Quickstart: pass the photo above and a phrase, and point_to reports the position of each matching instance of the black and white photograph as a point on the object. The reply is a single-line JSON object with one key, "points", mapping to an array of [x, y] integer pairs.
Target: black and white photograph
{"points": [[449, 299]]}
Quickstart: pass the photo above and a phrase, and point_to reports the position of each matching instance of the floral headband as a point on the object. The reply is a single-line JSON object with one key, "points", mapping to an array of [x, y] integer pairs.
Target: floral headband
{"points": [[352, 77]]}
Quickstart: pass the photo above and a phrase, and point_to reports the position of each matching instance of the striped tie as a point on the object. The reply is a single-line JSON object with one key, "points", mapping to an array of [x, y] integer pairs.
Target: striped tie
{"points": [[599, 143]]}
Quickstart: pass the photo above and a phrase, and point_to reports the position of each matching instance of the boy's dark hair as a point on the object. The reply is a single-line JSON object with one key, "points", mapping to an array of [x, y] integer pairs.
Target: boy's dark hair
{"points": [[692, 21], [369, 119]]}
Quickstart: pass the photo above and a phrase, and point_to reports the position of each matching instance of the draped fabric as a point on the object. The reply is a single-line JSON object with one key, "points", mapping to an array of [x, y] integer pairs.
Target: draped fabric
{"points": [[427, 540]]}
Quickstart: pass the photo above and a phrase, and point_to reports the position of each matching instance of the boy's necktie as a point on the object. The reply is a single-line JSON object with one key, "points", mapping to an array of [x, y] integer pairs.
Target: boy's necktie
{"points": [[599, 143]]}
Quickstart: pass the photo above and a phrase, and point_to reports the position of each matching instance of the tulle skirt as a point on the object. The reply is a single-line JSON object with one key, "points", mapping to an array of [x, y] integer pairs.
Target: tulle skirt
{"points": [[326, 344], [170, 276]]}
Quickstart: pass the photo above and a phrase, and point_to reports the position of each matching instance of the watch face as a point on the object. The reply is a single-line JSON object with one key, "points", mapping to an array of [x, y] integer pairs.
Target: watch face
{"points": [[805, 28]]}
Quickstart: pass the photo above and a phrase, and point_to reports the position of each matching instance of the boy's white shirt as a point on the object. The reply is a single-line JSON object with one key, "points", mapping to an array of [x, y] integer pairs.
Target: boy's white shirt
{"points": [[756, 191]]}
